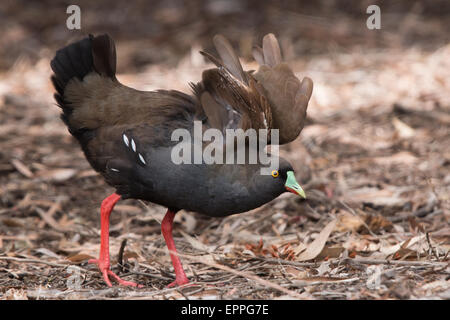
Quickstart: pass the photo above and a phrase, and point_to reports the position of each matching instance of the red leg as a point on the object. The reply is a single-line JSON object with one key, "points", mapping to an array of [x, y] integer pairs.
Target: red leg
{"points": [[166, 228], [103, 261]]}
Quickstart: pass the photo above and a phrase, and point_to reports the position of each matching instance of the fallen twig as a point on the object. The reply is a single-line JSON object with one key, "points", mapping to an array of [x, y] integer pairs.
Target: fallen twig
{"points": [[24, 260], [288, 262], [305, 283], [394, 262], [120, 255]]}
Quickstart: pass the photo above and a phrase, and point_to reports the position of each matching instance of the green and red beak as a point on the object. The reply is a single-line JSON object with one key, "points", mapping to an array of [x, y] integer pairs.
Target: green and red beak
{"points": [[292, 185]]}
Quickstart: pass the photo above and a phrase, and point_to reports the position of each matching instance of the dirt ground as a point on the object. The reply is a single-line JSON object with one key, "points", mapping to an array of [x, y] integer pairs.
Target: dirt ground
{"points": [[373, 158]]}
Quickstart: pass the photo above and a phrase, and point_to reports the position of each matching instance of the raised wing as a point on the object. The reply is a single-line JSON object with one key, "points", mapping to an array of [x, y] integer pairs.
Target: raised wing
{"points": [[288, 97], [273, 98], [230, 98]]}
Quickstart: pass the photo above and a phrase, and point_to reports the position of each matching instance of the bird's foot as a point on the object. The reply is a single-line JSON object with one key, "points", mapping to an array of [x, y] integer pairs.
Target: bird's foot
{"points": [[106, 271], [179, 281]]}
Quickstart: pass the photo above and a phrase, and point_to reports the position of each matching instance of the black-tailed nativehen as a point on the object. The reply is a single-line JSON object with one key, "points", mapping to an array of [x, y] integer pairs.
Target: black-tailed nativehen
{"points": [[127, 135]]}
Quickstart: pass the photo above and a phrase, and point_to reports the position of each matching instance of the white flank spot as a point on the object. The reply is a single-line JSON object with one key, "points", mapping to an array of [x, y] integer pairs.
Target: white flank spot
{"points": [[133, 145], [141, 158], [114, 169], [125, 140]]}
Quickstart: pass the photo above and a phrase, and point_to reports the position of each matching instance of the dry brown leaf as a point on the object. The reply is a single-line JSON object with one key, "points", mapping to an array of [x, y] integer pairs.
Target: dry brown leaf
{"points": [[22, 168], [15, 294], [377, 222], [128, 208], [80, 257], [437, 285], [406, 254], [318, 280], [403, 130], [348, 222], [47, 252], [301, 247], [87, 173], [295, 273], [408, 244], [57, 175], [314, 248], [196, 243], [324, 279], [330, 252], [403, 157], [12, 223], [130, 254], [190, 222], [358, 244], [384, 197]]}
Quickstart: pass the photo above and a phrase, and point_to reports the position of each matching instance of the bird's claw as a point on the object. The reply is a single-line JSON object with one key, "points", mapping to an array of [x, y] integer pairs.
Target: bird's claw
{"points": [[179, 282], [106, 271]]}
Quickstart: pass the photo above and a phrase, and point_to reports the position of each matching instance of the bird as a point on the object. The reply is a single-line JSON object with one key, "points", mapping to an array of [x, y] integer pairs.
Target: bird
{"points": [[126, 134]]}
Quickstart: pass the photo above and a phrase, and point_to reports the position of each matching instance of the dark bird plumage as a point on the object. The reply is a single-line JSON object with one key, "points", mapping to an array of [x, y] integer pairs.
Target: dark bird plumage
{"points": [[126, 134]]}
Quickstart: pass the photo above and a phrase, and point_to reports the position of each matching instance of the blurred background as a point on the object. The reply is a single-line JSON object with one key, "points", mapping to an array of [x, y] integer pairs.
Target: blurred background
{"points": [[374, 154], [150, 32]]}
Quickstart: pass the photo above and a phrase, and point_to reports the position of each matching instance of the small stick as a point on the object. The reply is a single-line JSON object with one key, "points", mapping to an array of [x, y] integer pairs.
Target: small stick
{"points": [[35, 261], [292, 263], [356, 261], [120, 256], [48, 217], [394, 262]]}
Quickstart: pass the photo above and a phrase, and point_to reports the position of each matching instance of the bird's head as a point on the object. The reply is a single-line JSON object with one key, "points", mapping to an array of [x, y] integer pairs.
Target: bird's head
{"points": [[284, 179]]}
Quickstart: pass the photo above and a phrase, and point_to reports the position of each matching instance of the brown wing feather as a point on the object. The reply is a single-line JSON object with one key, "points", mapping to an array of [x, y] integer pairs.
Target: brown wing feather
{"points": [[229, 58], [271, 49], [287, 96], [258, 54], [217, 116], [233, 90]]}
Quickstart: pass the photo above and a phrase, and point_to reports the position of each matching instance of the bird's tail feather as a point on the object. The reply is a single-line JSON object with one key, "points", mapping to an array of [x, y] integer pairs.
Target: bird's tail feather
{"points": [[75, 61]]}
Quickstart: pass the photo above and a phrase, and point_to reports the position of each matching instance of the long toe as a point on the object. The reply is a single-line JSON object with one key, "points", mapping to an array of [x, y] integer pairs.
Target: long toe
{"points": [[178, 282], [106, 272], [124, 282]]}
